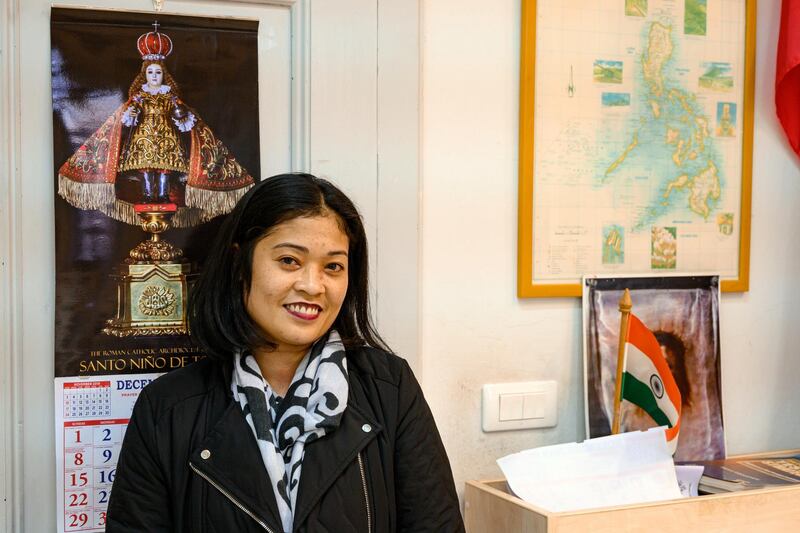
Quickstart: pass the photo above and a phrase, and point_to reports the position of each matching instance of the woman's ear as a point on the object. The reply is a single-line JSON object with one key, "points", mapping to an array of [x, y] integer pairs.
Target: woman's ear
{"points": [[236, 250], [237, 257]]}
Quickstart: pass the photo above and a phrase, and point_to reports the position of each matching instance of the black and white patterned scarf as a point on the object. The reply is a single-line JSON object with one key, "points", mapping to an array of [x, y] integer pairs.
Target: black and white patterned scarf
{"points": [[313, 406]]}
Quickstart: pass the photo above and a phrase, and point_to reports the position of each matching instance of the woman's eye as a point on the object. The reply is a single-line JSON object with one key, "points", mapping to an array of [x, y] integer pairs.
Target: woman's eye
{"points": [[287, 261], [336, 267]]}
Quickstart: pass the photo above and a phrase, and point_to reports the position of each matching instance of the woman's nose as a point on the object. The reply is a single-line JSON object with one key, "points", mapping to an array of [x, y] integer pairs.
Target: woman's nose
{"points": [[310, 281]]}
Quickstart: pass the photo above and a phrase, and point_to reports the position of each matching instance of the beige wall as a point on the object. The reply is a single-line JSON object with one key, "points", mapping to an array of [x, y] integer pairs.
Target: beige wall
{"points": [[476, 331]]}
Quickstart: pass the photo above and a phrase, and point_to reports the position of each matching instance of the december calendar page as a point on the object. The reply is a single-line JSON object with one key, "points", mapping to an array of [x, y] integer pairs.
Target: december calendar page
{"points": [[92, 414]]}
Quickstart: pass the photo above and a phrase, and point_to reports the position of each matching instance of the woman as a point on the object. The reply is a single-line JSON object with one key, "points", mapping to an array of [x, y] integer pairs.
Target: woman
{"points": [[154, 149], [300, 419]]}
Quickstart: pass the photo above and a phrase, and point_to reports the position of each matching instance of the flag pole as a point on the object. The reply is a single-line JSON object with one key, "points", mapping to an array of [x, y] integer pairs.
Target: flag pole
{"points": [[625, 305]]}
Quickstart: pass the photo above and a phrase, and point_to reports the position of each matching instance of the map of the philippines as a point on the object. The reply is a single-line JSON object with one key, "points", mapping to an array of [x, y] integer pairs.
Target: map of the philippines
{"points": [[638, 147], [674, 134]]}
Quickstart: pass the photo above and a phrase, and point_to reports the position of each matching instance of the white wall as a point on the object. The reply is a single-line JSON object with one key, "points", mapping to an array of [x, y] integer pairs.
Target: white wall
{"points": [[475, 330]]}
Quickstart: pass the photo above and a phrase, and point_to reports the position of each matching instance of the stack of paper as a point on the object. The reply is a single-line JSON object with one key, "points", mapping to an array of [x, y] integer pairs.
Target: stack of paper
{"points": [[623, 469]]}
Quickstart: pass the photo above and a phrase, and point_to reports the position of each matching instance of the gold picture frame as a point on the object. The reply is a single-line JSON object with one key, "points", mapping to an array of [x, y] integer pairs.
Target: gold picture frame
{"points": [[527, 285]]}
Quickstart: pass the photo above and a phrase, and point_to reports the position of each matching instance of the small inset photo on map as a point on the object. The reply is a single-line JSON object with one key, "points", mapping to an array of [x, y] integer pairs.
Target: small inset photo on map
{"points": [[663, 248], [636, 8], [725, 223], [716, 76], [726, 119], [607, 71], [615, 99], [613, 244], [695, 17]]}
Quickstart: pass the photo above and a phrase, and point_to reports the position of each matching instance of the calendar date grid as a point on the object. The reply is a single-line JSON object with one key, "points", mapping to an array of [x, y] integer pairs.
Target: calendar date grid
{"points": [[91, 449]]}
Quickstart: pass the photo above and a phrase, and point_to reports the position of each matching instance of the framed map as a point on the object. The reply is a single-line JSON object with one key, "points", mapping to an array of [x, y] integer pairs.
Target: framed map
{"points": [[636, 130]]}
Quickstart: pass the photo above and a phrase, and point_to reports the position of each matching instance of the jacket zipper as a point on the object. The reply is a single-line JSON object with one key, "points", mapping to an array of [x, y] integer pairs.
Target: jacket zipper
{"points": [[233, 500], [366, 494]]}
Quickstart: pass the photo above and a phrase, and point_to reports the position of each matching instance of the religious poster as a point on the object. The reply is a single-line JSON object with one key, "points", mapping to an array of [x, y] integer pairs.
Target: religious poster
{"points": [[155, 139], [683, 315]]}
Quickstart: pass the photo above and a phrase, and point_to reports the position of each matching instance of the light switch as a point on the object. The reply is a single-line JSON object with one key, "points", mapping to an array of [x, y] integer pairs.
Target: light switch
{"points": [[533, 405], [511, 407], [530, 404]]}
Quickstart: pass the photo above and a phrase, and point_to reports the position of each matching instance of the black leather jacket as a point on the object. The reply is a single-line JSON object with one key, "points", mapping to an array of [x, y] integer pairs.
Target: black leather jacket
{"points": [[189, 461]]}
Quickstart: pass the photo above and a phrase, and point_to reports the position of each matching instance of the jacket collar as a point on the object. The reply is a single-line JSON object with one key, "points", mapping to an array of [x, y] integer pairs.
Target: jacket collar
{"points": [[227, 377], [234, 461]]}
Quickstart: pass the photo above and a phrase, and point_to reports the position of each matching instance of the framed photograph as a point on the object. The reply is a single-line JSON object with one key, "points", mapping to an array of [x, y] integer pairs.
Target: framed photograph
{"points": [[682, 312], [635, 141]]}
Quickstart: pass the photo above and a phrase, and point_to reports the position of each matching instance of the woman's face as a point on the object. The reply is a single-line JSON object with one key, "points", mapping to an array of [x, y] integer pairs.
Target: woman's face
{"points": [[154, 75], [299, 280]]}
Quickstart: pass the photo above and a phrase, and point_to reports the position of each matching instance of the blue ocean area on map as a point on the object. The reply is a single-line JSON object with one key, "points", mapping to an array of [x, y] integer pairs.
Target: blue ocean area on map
{"points": [[666, 136]]}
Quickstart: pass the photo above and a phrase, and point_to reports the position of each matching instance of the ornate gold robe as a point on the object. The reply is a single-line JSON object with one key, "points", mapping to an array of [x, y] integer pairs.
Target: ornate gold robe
{"points": [[215, 180]]}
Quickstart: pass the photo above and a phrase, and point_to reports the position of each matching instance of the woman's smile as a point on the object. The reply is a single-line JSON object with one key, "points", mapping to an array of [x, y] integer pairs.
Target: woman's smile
{"points": [[304, 311]]}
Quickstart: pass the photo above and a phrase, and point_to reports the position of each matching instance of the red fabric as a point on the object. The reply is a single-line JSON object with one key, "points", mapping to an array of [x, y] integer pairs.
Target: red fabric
{"points": [[787, 73], [211, 166], [96, 160]]}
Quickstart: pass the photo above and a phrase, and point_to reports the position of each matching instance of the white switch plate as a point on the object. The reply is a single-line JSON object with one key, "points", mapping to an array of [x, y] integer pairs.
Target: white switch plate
{"points": [[539, 403]]}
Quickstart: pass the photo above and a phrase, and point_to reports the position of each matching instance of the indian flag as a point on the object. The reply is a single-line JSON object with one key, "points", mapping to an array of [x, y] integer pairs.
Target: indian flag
{"points": [[648, 382]]}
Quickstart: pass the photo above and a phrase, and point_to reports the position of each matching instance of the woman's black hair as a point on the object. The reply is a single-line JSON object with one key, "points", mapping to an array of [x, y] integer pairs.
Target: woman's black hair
{"points": [[218, 319]]}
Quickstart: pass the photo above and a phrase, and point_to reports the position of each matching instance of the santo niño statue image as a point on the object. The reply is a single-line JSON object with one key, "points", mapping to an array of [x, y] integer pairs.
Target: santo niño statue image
{"points": [[153, 163], [154, 149]]}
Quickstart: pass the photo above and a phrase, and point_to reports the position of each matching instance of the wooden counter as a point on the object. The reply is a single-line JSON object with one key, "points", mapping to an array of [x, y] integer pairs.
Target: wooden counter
{"points": [[491, 508]]}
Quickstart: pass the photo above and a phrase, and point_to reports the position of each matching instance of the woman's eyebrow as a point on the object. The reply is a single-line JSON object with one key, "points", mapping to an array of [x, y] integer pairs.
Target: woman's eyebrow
{"points": [[303, 249], [291, 245]]}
